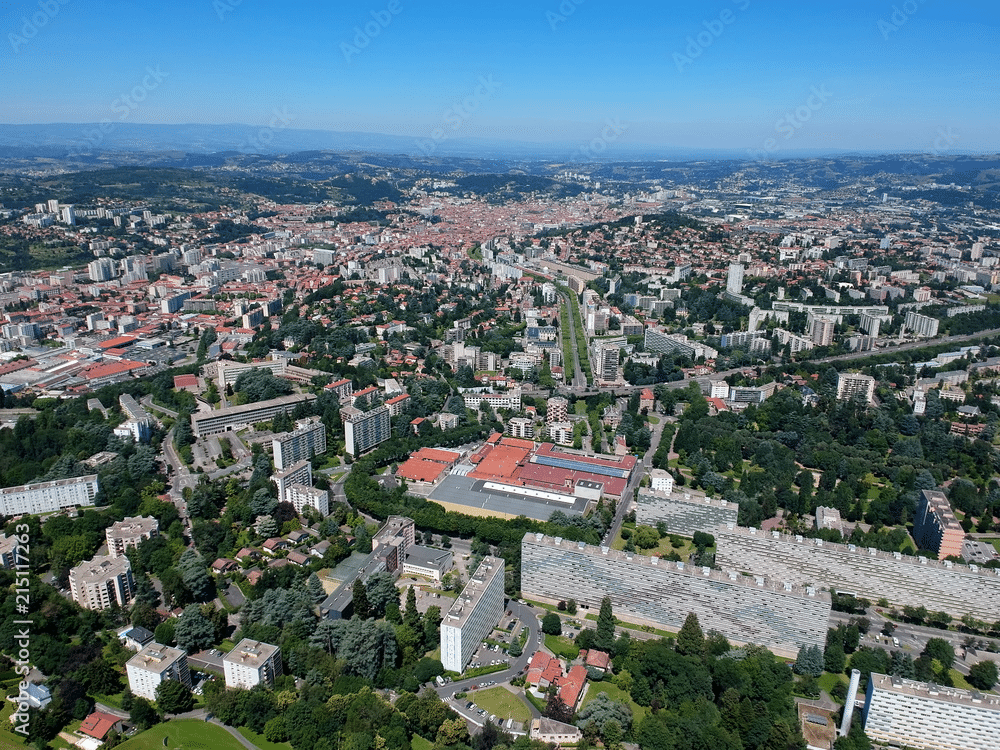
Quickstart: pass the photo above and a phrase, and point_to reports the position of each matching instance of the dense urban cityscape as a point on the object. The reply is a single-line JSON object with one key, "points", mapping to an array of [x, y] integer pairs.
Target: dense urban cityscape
{"points": [[414, 457]]}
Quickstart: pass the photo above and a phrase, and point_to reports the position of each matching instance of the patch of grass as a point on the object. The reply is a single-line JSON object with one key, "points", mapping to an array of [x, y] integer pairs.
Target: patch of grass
{"points": [[538, 703], [562, 646], [115, 701], [189, 734], [827, 680], [995, 543], [260, 741], [615, 693], [502, 702], [420, 743], [958, 680]]}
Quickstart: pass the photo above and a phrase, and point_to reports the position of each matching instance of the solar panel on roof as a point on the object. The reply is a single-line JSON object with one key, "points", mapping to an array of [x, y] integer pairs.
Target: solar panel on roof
{"points": [[571, 465]]}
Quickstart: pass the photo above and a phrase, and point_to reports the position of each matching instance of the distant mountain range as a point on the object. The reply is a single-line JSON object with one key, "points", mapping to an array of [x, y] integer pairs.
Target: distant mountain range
{"points": [[59, 139]]}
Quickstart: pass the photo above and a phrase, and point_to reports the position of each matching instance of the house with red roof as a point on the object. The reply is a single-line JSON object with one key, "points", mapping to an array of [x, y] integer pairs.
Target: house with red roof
{"points": [[98, 724]]}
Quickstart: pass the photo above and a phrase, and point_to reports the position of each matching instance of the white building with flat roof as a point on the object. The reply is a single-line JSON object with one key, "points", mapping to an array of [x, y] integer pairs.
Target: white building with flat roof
{"points": [[251, 663], [102, 582], [47, 497], [473, 615], [154, 664], [129, 532], [306, 441], [906, 713]]}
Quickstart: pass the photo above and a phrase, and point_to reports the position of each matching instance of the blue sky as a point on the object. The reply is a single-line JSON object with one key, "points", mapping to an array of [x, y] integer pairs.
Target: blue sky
{"points": [[764, 76]]}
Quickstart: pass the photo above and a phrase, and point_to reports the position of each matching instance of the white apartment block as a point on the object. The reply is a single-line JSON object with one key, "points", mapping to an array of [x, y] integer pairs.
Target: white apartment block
{"points": [[154, 664], [651, 591], [363, 430], [47, 497], [508, 400], [308, 440], [251, 663], [939, 585], [921, 325], [102, 582], [684, 512], [129, 533], [906, 713], [521, 427], [473, 615], [661, 481], [302, 496], [853, 384], [300, 473]]}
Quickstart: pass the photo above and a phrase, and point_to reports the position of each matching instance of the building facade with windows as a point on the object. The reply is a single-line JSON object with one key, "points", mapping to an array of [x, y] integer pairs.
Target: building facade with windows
{"points": [[656, 592], [102, 582], [473, 615], [308, 440], [47, 497], [129, 532], [907, 713], [935, 526], [684, 512], [939, 585], [251, 663], [363, 430], [154, 664]]}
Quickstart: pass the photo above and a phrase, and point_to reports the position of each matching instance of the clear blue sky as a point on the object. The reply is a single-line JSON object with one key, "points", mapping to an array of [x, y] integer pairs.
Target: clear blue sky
{"points": [[553, 75]]}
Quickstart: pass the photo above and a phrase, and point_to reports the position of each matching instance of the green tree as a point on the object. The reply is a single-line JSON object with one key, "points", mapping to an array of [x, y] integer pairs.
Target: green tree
{"points": [[360, 596], [142, 714], [410, 615], [193, 630], [691, 639], [315, 587], [809, 661], [983, 675], [552, 624], [940, 650], [174, 697], [604, 639], [571, 606], [275, 730]]}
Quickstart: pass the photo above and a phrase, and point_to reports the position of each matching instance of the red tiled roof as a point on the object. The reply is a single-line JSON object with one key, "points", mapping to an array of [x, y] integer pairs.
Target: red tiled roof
{"points": [[98, 724]]}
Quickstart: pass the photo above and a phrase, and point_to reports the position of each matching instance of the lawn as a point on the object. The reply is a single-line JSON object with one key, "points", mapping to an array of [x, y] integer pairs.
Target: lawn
{"points": [[501, 702], [261, 742], [827, 680], [994, 542], [190, 734], [562, 647], [615, 693], [419, 743]]}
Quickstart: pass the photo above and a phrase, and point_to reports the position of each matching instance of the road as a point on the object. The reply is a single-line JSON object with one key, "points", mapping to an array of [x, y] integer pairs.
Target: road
{"points": [[579, 379], [913, 638]]}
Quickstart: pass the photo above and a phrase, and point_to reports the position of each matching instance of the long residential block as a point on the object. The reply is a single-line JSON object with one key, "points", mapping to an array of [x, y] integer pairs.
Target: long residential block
{"points": [[938, 585], [652, 591], [46, 497], [683, 512], [238, 417], [906, 713]]}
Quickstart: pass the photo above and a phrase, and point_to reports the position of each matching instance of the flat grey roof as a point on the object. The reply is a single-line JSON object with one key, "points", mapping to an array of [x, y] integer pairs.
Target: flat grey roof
{"points": [[471, 493]]}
